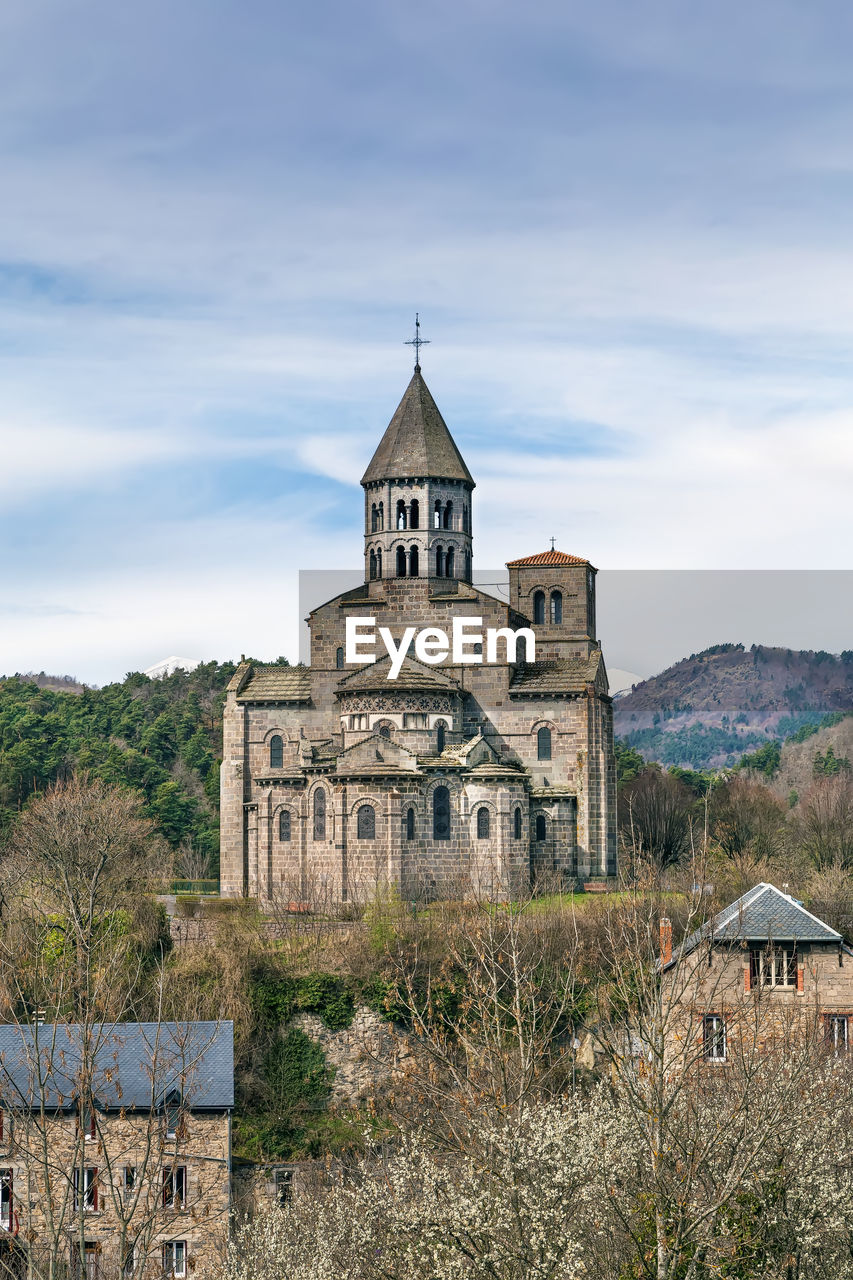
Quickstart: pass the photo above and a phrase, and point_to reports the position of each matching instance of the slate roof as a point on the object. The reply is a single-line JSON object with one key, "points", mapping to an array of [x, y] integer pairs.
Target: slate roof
{"points": [[417, 442], [276, 684], [413, 675], [763, 913], [545, 557], [571, 675], [137, 1064]]}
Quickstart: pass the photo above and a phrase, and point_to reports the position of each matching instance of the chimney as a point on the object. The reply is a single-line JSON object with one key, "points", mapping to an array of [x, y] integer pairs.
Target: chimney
{"points": [[665, 940]]}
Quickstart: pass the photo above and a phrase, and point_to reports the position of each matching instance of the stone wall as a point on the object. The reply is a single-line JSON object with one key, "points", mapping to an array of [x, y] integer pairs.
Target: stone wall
{"points": [[369, 1057]]}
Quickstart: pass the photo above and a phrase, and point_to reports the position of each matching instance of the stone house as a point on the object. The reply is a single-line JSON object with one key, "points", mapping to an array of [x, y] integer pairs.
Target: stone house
{"points": [[115, 1148], [479, 775], [766, 967]]}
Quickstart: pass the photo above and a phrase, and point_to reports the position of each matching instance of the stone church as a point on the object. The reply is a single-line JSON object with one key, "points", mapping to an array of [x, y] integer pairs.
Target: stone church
{"points": [[452, 778]]}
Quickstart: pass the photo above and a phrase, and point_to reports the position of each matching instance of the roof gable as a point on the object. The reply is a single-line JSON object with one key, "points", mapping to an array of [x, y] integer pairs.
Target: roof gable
{"points": [[763, 914], [412, 675], [417, 442]]}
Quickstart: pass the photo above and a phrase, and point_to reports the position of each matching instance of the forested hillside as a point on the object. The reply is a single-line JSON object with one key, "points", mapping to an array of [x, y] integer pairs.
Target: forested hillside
{"points": [[162, 737], [707, 710]]}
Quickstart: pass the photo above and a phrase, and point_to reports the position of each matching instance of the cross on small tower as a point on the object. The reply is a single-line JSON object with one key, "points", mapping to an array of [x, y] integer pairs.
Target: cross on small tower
{"points": [[553, 540], [417, 342]]}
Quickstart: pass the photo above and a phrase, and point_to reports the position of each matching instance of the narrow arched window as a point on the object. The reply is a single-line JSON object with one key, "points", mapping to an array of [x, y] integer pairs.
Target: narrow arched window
{"points": [[410, 824], [382, 515], [543, 743], [374, 518], [441, 814], [379, 563], [401, 514], [436, 517], [467, 566], [401, 562], [556, 608], [439, 562], [483, 823], [539, 607], [276, 751], [449, 563], [319, 814], [366, 822], [541, 827], [440, 733], [464, 519], [516, 823], [372, 565], [339, 659], [448, 515], [284, 825], [413, 562], [414, 514]]}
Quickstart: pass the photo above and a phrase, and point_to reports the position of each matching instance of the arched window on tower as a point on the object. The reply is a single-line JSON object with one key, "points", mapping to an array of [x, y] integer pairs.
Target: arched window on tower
{"points": [[379, 563], [516, 823], [339, 659], [319, 814], [413, 562], [448, 515], [467, 566], [449, 565], [366, 822], [410, 824], [556, 608], [483, 823], [401, 514], [401, 562], [436, 517], [440, 736], [439, 562], [372, 565], [441, 814], [276, 751], [414, 514], [541, 827], [374, 518], [539, 608], [543, 743], [284, 824], [382, 515]]}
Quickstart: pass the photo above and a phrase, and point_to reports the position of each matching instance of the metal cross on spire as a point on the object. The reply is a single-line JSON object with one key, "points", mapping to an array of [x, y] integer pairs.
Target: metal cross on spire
{"points": [[553, 540], [417, 342]]}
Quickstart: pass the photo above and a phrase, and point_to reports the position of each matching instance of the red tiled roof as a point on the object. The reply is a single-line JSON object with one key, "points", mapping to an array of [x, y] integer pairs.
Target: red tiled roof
{"points": [[546, 557]]}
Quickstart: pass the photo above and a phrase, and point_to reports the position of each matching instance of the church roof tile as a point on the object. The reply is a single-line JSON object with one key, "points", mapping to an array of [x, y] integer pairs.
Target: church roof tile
{"points": [[571, 675], [276, 684], [417, 442], [545, 557]]}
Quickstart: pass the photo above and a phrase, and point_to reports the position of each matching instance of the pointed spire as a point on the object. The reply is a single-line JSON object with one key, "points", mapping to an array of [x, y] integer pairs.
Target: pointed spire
{"points": [[417, 442]]}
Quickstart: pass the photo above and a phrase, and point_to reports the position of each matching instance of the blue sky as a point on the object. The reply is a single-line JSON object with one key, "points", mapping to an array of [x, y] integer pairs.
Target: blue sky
{"points": [[627, 229]]}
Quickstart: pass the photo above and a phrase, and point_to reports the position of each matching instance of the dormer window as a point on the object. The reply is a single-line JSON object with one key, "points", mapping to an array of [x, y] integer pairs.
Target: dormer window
{"points": [[774, 965], [88, 1123]]}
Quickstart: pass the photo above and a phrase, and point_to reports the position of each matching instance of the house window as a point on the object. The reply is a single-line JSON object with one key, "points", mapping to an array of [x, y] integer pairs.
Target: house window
{"points": [[714, 1037], [541, 827], [284, 825], [339, 655], [85, 1262], [539, 607], [366, 822], [773, 966], [319, 814], [543, 743], [283, 1186], [88, 1124], [401, 562], [440, 735], [175, 1187], [837, 1032], [128, 1181], [85, 1185], [173, 1117], [441, 814], [483, 823], [175, 1258], [556, 608], [276, 751], [410, 824], [7, 1210], [516, 824]]}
